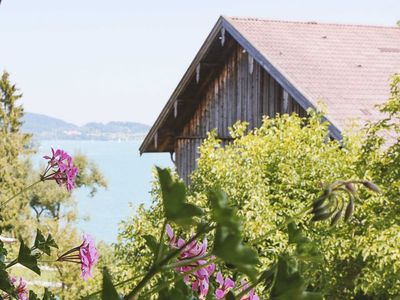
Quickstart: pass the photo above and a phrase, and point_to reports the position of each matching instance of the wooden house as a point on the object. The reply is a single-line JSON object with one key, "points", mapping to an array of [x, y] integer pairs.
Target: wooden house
{"points": [[249, 67]]}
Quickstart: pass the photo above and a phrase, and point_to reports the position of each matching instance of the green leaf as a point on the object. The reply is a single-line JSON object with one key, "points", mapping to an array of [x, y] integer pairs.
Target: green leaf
{"points": [[305, 248], [230, 296], [228, 243], [289, 285], [27, 259], [48, 295], [109, 292], [174, 200], [5, 284], [40, 243], [51, 242], [33, 296], [229, 247], [3, 254], [43, 244], [179, 292], [221, 213], [151, 242]]}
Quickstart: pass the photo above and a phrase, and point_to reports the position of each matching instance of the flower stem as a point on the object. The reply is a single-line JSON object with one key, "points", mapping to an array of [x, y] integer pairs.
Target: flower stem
{"points": [[247, 289], [160, 243], [115, 285], [19, 193], [186, 262]]}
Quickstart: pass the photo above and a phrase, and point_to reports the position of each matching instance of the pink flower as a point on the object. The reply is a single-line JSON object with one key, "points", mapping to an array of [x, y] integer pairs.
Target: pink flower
{"points": [[86, 255], [192, 250], [61, 168], [21, 288], [89, 256], [224, 286], [199, 278], [251, 295]]}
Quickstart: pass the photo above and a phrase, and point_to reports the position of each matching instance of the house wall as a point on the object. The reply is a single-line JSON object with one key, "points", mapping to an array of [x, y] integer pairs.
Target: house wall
{"points": [[242, 90]]}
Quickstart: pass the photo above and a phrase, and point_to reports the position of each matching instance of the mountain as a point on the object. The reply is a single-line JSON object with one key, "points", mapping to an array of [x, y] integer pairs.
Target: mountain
{"points": [[47, 128]]}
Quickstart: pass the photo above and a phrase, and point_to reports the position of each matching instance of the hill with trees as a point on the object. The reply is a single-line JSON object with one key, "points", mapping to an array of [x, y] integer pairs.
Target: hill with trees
{"points": [[47, 128]]}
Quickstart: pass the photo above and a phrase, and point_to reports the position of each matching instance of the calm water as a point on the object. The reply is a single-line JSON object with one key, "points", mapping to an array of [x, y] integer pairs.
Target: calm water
{"points": [[128, 176]]}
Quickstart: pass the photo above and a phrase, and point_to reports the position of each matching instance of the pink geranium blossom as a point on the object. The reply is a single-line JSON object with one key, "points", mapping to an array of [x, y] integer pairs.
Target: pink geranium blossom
{"points": [[20, 288], [86, 255], [89, 256], [224, 286], [60, 167], [199, 279], [251, 294]]}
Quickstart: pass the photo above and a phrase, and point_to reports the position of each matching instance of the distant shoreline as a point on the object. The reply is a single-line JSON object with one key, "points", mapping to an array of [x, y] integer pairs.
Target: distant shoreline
{"points": [[139, 139], [44, 127]]}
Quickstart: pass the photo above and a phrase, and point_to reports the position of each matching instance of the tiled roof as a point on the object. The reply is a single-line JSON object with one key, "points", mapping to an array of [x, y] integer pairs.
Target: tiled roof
{"points": [[346, 67]]}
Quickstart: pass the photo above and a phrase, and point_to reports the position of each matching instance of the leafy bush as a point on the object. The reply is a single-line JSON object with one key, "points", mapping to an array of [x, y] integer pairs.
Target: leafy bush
{"points": [[271, 174]]}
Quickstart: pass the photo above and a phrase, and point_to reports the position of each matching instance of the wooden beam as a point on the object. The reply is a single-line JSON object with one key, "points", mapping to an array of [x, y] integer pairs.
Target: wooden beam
{"points": [[222, 37], [285, 102], [192, 137], [251, 63], [198, 73], [176, 109], [210, 65], [156, 140]]}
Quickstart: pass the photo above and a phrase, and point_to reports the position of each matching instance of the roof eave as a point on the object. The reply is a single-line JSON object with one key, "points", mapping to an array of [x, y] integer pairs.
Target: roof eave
{"points": [[182, 84], [278, 75]]}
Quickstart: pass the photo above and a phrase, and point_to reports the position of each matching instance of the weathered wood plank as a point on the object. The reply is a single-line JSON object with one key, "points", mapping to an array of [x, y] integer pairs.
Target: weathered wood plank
{"points": [[233, 94]]}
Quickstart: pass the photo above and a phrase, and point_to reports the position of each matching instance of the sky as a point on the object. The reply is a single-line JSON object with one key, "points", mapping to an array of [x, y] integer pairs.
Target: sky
{"points": [[120, 60]]}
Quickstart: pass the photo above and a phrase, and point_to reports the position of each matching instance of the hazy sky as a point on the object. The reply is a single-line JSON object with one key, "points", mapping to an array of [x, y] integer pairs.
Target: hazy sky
{"points": [[96, 60]]}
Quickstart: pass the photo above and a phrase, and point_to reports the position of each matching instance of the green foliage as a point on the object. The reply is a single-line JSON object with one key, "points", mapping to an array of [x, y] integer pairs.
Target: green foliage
{"points": [[89, 175], [272, 175], [108, 290], [10, 112], [27, 258], [174, 200], [46, 296], [14, 169], [289, 285], [178, 292], [228, 244], [44, 244], [46, 207], [274, 172]]}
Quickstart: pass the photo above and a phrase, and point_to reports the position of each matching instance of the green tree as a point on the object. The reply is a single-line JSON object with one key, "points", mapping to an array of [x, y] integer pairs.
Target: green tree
{"points": [[14, 165], [10, 112], [46, 206], [273, 172]]}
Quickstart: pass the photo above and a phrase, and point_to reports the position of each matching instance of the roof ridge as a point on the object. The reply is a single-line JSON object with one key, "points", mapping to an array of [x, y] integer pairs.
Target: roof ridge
{"points": [[309, 22]]}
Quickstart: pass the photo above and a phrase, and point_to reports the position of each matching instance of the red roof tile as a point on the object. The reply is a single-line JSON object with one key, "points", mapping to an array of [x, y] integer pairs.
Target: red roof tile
{"points": [[347, 67]]}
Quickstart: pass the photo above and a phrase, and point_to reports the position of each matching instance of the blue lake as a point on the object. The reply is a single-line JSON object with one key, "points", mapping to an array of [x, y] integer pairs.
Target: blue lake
{"points": [[128, 175]]}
